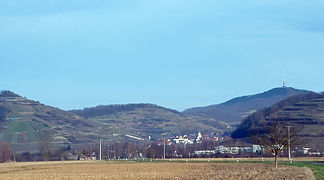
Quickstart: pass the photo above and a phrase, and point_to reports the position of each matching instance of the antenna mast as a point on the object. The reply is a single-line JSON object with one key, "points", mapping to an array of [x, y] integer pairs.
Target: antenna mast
{"points": [[284, 83]]}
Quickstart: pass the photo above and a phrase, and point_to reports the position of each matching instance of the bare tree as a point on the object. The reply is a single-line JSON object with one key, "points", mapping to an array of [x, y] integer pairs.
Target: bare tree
{"points": [[275, 138], [5, 152]]}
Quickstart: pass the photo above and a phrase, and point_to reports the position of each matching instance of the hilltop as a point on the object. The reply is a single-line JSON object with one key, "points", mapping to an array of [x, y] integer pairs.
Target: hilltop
{"points": [[103, 110], [235, 110]]}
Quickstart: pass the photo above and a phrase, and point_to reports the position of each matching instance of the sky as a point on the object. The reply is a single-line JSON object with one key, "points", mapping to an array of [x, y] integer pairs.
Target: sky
{"points": [[174, 53]]}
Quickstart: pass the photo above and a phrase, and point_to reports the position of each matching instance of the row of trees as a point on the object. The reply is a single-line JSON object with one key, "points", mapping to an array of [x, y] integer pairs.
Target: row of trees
{"points": [[273, 137]]}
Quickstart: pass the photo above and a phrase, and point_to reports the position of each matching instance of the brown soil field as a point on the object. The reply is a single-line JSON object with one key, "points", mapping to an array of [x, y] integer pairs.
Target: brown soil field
{"points": [[150, 170]]}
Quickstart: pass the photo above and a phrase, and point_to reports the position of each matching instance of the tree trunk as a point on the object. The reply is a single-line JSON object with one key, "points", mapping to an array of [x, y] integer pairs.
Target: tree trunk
{"points": [[276, 159]]}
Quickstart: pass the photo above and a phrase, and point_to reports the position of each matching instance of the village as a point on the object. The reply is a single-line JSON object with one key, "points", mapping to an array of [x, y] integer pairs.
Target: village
{"points": [[224, 147]]}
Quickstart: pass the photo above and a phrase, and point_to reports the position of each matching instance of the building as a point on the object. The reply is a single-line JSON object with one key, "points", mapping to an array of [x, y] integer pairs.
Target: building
{"points": [[230, 150], [182, 140], [199, 137]]}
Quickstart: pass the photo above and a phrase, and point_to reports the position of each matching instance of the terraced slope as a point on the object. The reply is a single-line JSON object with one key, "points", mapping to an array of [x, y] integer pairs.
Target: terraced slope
{"points": [[145, 120], [306, 110], [22, 120]]}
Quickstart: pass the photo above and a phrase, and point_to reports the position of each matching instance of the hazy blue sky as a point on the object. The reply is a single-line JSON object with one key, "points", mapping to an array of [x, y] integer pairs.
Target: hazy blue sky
{"points": [[175, 53]]}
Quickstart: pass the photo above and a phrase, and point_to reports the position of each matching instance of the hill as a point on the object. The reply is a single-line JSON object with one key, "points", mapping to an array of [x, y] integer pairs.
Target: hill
{"points": [[303, 109], [143, 120], [23, 120], [235, 110]]}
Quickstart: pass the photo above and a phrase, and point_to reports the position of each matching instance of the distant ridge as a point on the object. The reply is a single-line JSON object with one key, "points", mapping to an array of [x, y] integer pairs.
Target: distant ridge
{"points": [[235, 110], [102, 110]]}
